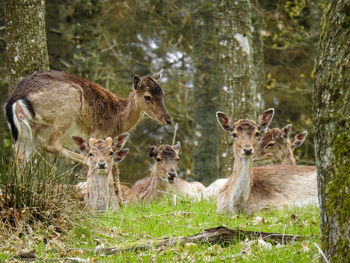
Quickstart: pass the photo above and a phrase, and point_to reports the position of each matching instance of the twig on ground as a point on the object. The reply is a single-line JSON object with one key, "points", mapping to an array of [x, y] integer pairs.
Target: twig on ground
{"points": [[212, 236]]}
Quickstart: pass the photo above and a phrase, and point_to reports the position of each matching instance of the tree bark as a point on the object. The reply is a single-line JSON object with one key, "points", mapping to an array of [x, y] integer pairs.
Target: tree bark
{"points": [[241, 65], [205, 91], [332, 122], [26, 50]]}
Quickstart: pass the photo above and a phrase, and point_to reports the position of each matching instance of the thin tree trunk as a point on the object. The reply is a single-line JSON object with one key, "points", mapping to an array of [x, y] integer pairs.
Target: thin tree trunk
{"points": [[241, 65], [332, 136], [26, 50], [205, 91]]}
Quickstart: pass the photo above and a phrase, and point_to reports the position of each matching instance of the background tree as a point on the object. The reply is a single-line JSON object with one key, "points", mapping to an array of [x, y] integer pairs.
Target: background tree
{"points": [[26, 50], [241, 66], [332, 123], [206, 91]]}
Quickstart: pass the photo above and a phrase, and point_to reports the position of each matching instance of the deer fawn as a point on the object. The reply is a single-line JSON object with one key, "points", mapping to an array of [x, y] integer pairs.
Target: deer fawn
{"points": [[249, 189], [276, 146], [46, 108], [163, 173], [189, 189], [99, 189]]}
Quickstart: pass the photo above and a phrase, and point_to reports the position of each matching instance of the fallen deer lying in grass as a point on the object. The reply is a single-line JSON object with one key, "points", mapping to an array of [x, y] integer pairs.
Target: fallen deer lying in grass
{"points": [[99, 189], [249, 189], [275, 145], [163, 173]]}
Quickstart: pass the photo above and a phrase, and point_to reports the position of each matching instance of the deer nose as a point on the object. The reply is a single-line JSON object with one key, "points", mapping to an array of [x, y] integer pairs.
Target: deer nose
{"points": [[102, 165], [168, 119], [248, 151], [172, 175]]}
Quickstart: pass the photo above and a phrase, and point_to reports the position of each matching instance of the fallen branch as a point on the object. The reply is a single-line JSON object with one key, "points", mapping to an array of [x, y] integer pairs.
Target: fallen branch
{"points": [[217, 235]]}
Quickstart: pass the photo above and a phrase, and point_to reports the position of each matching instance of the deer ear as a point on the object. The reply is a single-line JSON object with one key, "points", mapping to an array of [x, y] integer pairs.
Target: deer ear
{"points": [[157, 75], [177, 146], [265, 119], [285, 132], [120, 141], [120, 155], [299, 139], [137, 80], [80, 143], [152, 151], [225, 121]]}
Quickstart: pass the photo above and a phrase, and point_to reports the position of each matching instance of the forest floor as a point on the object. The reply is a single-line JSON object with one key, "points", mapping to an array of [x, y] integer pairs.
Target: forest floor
{"points": [[148, 222]]}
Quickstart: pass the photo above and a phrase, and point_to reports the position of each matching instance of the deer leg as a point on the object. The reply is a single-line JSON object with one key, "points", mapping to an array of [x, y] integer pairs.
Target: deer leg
{"points": [[116, 181], [53, 145]]}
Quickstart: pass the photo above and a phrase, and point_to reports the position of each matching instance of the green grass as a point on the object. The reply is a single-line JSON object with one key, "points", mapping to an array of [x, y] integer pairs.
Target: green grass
{"points": [[160, 219]]}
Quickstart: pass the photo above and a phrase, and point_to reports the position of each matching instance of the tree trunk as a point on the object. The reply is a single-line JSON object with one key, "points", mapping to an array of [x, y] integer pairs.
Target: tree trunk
{"points": [[26, 50], [332, 137], [205, 91], [241, 65]]}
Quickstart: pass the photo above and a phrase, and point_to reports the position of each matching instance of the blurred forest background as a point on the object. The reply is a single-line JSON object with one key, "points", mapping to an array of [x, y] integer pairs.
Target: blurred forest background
{"points": [[215, 55]]}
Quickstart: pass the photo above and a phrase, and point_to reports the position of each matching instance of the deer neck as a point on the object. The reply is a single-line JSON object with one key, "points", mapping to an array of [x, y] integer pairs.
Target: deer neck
{"points": [[130, 113], [287, 157], [97, 184], [155, 183], [240, 182]]}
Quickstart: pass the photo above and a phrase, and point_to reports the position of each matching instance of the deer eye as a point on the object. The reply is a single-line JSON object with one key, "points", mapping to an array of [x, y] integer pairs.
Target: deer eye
{"points": [[270, 145], [91, 155], [177, 159], [257, 134], [111, 153], [147, 98], [158, 159], [234, 135]]}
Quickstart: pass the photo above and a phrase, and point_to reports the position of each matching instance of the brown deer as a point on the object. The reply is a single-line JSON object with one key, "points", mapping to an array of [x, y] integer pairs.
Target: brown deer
{"points": [[163, 173], [188, 189], [276, 146], [99, 188], [249, 189], [46, 108]]}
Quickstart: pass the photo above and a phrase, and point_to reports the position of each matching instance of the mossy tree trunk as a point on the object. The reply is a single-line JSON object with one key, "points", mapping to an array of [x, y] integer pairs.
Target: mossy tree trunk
{"points": [[205, 91], [332, 122], [241, 66], [26, 50]]}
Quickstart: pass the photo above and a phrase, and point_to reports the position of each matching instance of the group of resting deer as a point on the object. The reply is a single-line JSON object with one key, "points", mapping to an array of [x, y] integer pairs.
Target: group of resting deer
{"points": [[48, 109]]}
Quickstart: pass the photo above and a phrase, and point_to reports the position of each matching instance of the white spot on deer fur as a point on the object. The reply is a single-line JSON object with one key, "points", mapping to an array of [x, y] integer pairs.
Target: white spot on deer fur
{"points": [[243, 41]]}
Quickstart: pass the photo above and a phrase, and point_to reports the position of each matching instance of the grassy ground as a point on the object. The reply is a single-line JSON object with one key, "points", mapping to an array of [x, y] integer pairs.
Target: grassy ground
{"points": [[166, 219]]}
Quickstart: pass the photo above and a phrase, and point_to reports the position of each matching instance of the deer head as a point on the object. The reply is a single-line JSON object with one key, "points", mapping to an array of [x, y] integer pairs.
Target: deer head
{"points": [[102, 153], [276, 144], [166, 157], [246, 133], [150, 98]]}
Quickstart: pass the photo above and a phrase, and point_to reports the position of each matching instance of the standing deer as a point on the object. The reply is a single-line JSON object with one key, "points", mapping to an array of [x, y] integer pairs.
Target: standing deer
{"points": [[163, 173], [249, 189], [46, 108], [276, 146], [99, 188]]}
